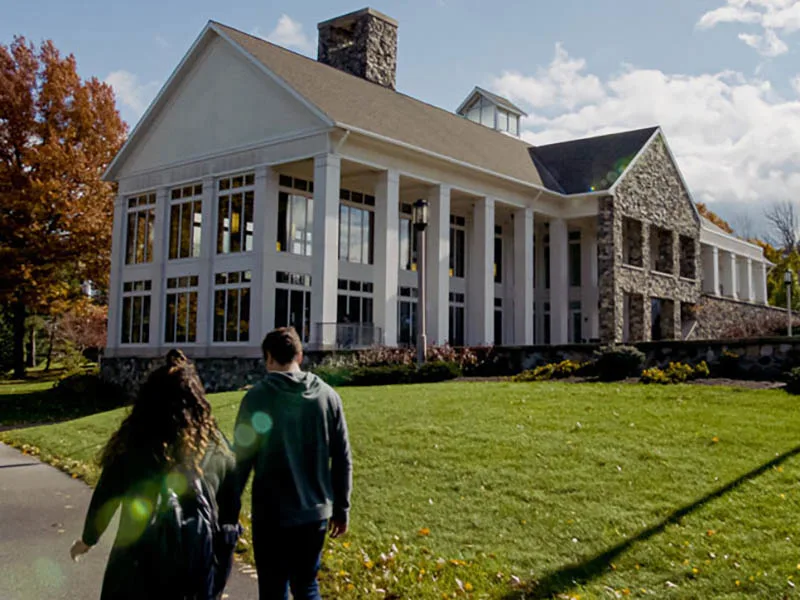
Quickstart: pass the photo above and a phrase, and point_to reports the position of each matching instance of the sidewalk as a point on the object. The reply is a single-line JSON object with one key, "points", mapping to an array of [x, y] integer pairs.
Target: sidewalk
{"points": [[41, 513]]}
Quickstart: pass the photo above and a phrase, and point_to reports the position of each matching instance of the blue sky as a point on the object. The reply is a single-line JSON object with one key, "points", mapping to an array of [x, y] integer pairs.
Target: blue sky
{"points": [[721, 76]]}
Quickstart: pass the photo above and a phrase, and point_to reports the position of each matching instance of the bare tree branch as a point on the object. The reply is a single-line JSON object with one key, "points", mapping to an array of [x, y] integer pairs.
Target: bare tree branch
{"points": [[783, 218]]}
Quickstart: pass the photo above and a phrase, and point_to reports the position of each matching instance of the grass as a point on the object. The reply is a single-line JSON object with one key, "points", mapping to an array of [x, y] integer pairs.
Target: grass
{"points": [[495, 490]]}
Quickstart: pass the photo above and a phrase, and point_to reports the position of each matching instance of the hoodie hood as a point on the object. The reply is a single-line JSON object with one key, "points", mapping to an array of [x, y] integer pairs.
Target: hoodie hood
{"points": [[297, 382]]}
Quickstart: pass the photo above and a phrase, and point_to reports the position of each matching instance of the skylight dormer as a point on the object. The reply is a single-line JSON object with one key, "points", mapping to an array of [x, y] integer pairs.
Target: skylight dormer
{"points": [[493, 111]]}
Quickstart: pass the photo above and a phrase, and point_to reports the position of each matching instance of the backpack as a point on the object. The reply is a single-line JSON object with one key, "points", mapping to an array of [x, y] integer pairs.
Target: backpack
{"points": [[180, 541]]}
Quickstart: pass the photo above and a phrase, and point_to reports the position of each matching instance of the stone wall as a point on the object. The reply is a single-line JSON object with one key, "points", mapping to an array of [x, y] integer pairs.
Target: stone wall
{"points": [[363, 44], [723, 318], [652, 193]]}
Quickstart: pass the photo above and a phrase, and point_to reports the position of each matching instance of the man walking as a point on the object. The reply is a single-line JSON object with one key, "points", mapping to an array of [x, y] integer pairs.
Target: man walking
{"points": [[291, 430]]}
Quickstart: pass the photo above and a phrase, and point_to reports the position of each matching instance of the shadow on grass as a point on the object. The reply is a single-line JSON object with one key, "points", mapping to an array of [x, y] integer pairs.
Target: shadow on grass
{"points": [[563, 579]]}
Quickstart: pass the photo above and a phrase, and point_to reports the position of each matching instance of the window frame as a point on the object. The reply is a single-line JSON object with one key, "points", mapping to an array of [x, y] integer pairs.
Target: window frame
{"points": [[574, 275], [244, 282], [288, 282], [407, 295], [457, 311], [365, 203], [183, 285], [248, 186], [180, 202], [458, 264], [286, 207], [129, 295], [147, 203]]}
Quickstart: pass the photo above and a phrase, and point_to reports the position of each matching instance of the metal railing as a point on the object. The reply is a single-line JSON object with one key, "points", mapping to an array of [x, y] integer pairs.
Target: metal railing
{"points": [[345, 336]]}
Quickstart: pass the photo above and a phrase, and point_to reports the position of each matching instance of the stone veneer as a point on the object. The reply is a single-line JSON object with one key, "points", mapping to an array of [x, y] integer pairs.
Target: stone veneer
{"points": [[651, 192], [363, 44], [723, 318]]}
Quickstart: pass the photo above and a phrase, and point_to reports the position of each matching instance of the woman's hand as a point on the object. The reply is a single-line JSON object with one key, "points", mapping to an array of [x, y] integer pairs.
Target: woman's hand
{"points": [[79, 548]]}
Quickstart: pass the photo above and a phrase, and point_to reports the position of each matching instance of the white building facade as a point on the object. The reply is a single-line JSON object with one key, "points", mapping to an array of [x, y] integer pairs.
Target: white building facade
{"points": [[265, 189]]}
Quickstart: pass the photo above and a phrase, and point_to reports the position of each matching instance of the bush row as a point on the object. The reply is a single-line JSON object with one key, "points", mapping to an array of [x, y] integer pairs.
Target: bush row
{"points": [[675, 373], [429, 372], [562, 370]]}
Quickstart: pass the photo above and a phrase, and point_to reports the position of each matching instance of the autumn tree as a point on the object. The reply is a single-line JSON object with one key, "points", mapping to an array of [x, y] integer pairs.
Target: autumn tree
{"points": [[713, 217], [58, 133]]}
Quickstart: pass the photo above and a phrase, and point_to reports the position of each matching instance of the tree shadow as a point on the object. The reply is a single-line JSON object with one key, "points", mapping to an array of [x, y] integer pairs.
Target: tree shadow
{"points": [[564, 578]]}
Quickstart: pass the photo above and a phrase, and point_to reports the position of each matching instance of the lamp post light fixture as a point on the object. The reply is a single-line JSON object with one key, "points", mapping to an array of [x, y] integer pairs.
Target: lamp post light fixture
{"points": [[420, 220], [788, 280]]}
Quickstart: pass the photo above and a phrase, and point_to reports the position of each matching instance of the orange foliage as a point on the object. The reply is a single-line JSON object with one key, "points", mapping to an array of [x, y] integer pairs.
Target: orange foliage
{"points": [[713, 217]]}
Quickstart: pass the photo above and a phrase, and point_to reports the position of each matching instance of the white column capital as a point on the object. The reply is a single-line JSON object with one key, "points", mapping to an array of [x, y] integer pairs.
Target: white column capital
{"points": [[327, 160], [523, 276]]}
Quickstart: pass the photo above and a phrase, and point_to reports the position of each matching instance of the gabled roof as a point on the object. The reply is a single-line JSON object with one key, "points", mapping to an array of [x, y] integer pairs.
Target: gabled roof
{"points": [[352, 102], [492, 97], [589, 164]]}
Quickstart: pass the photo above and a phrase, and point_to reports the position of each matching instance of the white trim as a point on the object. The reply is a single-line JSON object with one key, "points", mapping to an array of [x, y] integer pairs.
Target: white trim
{"points": [[262, 67], [477, 90]]}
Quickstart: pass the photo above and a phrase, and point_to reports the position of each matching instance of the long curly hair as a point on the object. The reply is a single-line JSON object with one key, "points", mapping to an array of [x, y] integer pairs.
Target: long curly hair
{"points": [[170, 424]]}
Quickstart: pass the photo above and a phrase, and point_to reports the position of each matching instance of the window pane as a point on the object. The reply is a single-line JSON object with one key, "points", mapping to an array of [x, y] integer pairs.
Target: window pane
{"points": [[283, 202], [487, 114], [306, 317], [192, 325], [281, 308], [232, 317], [244, 315], [145, 319], [575, 265], [151, 229], [502, 120], [127, 305], [309, 225], [405, 258], [223, 238], [344, 223], [366, 313], [248, 222], [174, 230], [236, 222], [130, 251], [296, 309], [474, 113], [513, 124], [219, 316], [460, 252], [186, 230], [369, 238], [197, 227], [498, 260], [341, 309], [182, 313], [141, 235], [169, 328], [136, 332], [298, 224], [547, 268], [356, 231]]}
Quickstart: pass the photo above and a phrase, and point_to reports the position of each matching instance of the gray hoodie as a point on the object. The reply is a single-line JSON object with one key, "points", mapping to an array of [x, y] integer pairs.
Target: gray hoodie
{"points": [[291, 430]]}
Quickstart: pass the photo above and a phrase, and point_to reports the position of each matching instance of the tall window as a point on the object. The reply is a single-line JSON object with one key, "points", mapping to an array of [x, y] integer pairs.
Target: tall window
{"points": [[547, 262], [498, 254], [136, 312], [498, 321], [408, 239], [181, 323], [458, 246], [354, 303], [185, 221], [235, 214], [356, 227], [407, 316], [141, 225], [576, 322], [547, 323], [575, 258], [293, 302], [232, 306], [457, 311], [295, 216]]}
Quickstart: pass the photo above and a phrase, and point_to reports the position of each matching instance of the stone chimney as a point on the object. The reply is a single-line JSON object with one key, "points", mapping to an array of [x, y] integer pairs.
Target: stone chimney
{"points": [[363, 43]]}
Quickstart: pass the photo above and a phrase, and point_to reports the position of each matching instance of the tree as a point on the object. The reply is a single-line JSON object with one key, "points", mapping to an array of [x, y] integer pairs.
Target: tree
{"points": [[713, 217], [784, 220], [58, 133]]}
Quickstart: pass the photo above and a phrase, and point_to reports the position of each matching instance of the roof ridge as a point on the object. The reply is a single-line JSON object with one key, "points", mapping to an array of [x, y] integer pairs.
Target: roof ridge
{"points": [[652, 129], [398, 93]]}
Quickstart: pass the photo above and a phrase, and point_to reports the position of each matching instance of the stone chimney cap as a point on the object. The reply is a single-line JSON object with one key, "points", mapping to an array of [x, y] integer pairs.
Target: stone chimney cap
{"points": [[350, 18]]}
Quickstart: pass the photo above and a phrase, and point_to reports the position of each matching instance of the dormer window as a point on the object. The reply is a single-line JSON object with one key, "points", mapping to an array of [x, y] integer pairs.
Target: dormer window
{"points": [[491, 110]]}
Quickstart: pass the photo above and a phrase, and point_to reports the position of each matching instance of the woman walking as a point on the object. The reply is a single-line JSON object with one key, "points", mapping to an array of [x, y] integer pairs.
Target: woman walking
{"points": [[168, 449]]}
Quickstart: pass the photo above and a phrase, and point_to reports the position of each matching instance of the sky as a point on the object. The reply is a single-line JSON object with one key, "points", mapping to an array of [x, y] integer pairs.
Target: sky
{"points": [[721, 77]]}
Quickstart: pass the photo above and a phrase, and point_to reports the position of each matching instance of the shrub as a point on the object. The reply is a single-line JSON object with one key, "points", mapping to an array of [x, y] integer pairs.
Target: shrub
{"points": [[793, 381], [430, 372], [562, 370], [728, 365], [433, 372], [675, 373], [615, 363], [335, 376], [89, 392]]}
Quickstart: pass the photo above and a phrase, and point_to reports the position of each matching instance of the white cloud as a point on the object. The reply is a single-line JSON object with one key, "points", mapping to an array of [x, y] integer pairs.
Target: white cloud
{"points": [[796, 84], [735, 139], [769, 44], [132, 93], [289, 33], [772, 15]]}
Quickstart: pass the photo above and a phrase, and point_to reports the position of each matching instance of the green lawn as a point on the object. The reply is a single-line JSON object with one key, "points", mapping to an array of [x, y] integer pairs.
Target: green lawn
{"points": [[590, 491]]}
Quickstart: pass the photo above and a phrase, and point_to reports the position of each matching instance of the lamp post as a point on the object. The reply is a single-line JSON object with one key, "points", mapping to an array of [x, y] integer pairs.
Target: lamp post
{"points": [[787, 281], [420, 224]]}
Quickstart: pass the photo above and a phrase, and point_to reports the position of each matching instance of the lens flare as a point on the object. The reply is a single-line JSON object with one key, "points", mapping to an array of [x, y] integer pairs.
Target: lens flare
{"points": [[48, 572], [244, 435], [177, 482], [262, 422]]}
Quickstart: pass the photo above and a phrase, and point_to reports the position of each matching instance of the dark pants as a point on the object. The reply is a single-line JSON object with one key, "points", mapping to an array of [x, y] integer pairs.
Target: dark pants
{"points": [[288, 556]]}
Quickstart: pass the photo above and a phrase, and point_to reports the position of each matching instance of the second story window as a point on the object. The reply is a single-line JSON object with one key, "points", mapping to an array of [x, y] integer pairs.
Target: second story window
{"points": [[185, 221], [235, 196], [408, 239], [356, 225], [140, 229], [458, 246], [295, 216], [498, 254]]}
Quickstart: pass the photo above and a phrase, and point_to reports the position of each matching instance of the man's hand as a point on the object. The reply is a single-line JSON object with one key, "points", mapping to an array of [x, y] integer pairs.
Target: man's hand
{"points": [[337, 528], [79, 548]]}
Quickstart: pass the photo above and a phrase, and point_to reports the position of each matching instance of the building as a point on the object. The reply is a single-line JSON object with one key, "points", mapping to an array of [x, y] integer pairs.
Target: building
{"points": [[263, 188]]}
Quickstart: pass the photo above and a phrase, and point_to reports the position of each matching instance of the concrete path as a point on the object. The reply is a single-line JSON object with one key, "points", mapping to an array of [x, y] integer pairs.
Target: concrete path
{"points": [[41, 514]]}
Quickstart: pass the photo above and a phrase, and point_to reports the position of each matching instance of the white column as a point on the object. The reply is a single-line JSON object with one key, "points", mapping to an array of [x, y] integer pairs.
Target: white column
{"points": [[523, 277], [115, 277], [729, 280], [559, 282], [387, 222], [762, 296], [750, 295], [160, 241], [208, 240], [325, 263], [480, 287], [265, 216], [714, 271], [589, 283], [437, 247]]}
